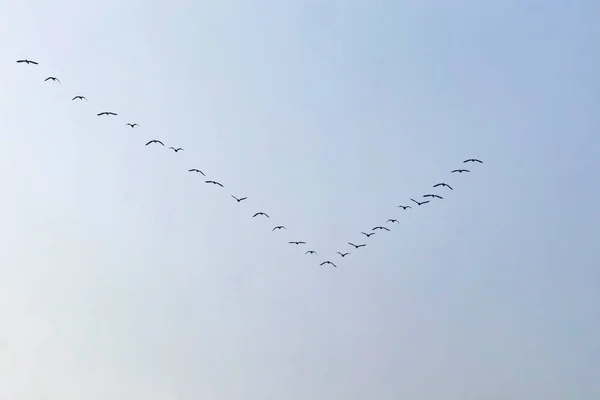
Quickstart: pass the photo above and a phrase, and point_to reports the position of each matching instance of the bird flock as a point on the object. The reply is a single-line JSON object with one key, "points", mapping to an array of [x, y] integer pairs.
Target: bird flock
{"points": [[425, 199]]}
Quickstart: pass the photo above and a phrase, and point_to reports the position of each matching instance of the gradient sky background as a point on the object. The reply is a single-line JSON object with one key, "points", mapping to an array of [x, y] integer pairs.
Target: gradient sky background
{"points": [[123, 276]]}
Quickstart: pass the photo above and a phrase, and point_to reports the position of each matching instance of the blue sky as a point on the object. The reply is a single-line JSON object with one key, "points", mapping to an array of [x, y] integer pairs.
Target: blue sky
{"points": [[124, 276]]}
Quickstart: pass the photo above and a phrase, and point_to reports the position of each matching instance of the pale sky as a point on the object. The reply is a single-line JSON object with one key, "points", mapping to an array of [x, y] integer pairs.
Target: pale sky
{"points": [[123, 276]]}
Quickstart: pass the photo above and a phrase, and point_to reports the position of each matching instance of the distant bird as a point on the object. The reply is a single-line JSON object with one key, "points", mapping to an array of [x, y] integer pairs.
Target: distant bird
{"points": [[343, 254], [106, 113], [328, 262], [279, 227], [311, 252], [404, 207], [27, 62], [420, 203], [196, 170], [214, 183], [175, 149], [79, 98], [155, 141], [443, 184], [460, 171], [381, 227], [132, 125], [260, 213], [356, 246], [393, 220], [473, 160], [433, 196], [240, 199], [368, 234], [297, 243], [52, 78]]}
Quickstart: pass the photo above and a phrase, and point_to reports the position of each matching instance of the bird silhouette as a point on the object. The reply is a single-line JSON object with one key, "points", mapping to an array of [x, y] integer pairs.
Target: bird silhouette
{"points": [[473, 160], [381, 227], [328, 262], [27, 62], [443, 185], [420, 203], [52, 78], [240, 199], [296, 243], [404, 207], [214, 183], [368, 234], [196, 170], [433, 196], [279, 227], [79, 98], [343, 254], [260, 213], [460, 171], [175, 149], [311, 252], [132, 125], [106, 113], [155, 141], [393, 220], [356, 246]]}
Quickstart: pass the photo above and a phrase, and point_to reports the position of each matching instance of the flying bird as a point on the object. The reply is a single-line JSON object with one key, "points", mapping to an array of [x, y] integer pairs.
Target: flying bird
{"points": [[460, 171], [27, 62], [433, 196], [392, 220], [240, 199], [132, 125], [175, 149], [196, 170], [297, 243], [311, 252], [473, 160], [260, 213], [368, 234], [214, 183], [343, 254], [106, 113], [404, 207], [279, 227], [381, 227], [52, 78], [420, 203], [356, 246], [79, 98], [443, 185], [328, 262], [155, 141]]}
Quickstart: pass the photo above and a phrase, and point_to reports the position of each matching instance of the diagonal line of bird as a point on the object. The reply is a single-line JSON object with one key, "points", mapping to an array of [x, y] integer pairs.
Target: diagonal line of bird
{"points": [[426, 198]]}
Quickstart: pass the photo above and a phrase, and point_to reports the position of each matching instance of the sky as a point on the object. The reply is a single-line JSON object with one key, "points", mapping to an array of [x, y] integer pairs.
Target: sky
{"points": [[124, 276]]}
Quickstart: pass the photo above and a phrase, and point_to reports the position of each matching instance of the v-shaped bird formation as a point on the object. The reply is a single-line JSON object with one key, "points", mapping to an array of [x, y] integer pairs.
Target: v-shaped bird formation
{"points": [[426, 198]]}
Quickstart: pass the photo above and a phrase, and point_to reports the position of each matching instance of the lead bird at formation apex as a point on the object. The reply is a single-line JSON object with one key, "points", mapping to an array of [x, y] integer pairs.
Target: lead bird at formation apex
{"points": [[473, 160]]}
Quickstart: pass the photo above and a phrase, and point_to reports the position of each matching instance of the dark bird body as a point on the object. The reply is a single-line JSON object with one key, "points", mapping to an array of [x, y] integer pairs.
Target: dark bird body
{"points": [[433, 196], [356, 246], [368, 234], [296, 243], [106, 113], [473, 160], [240, 199], [175, 149], [27, 62], [279, 227], [155, 141], [381, 227], [404, 207], [328, 262], [260, 213], [79, 98], [132, 125], [214, 183], [443, 184], [343, 254], [52, 78], [460, 171], [393, 220], [420, 203], [196, 170], [311, 252]]}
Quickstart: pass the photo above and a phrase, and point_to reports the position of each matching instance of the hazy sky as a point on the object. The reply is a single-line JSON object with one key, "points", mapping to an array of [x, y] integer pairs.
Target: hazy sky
{"points": [[123, 276]]}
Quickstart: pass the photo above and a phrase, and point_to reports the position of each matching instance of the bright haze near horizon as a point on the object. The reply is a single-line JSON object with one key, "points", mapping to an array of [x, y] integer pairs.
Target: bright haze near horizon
{"points": [[124, 276]]}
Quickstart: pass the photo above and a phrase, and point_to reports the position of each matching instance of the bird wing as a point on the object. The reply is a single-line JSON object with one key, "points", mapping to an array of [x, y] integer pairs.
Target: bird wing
{"points": [[234, 197], [20, 61], [33, 62], [243, 198], [48, 78], [415, 201], [453, 171]]}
